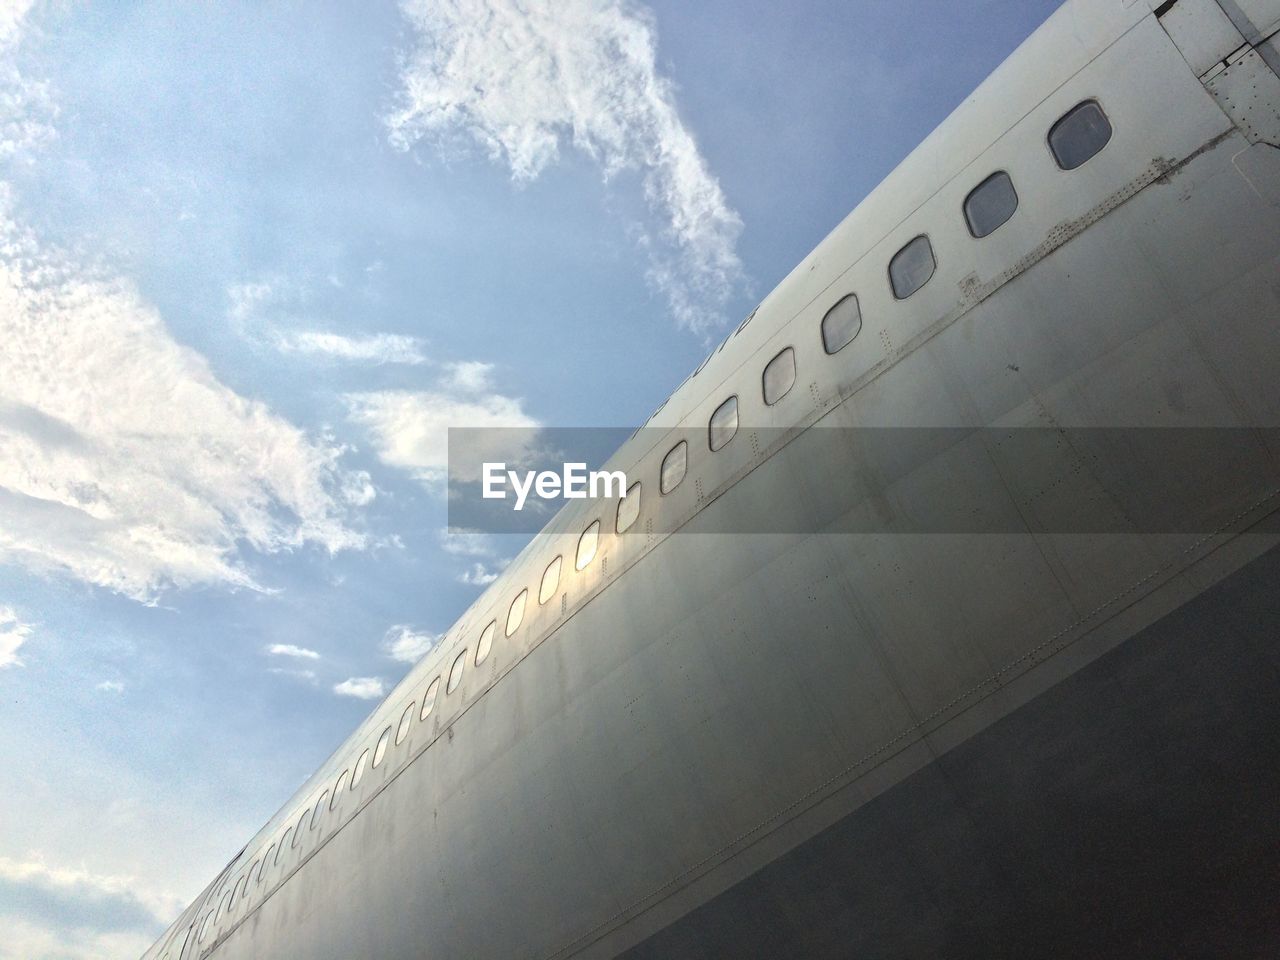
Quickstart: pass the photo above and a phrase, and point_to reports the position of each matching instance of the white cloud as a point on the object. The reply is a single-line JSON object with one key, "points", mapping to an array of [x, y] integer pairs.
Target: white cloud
{"points": [[74, 898], [264, 311], [479, 575], [362, 688], [110, 686], [525, 78], [407, 645], [466, 543], [378, 348], [410, 429], [13, 634], [468, 376], [124, 462], [289, 650]]}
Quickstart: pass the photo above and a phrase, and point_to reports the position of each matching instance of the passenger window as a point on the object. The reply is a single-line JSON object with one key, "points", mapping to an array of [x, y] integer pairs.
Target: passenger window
{"points": [[911, 267], [628, 509], [406, 719], [266, 861], [1079, 135], [587, 544], [485, 643], [724, 424], [249, 878], [338, 788], [842, 323], [429, 698], [284, 844], [204, 927], [297, 833], [315, 814], [990, 205], [779, 376], [550, 580], [455, 672], [515, 617], [673, 467], [380, 750], [360, 765]]}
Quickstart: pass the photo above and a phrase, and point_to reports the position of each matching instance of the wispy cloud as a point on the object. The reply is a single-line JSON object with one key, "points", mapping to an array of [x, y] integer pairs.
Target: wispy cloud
{"points": [[524, 79], [110, 686], [13, 634], [306, 676], [362, 688], [479, 575], [74, 899], [289, 650], [268, 312], [124, 462], [410, 429], [407, 645]]}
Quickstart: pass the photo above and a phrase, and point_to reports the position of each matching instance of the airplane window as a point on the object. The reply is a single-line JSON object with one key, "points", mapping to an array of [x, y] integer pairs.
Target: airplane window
{"points": [[315, 814], [673, 467], [1081, 134], [268, 859], [337, 789], [628, 509], [284, 843], [233, 896], [248, 877], [912, 267], [550, 580], [360, 765], [485, 643], [204, 927], [842, 323], [990, 205], [587, 544], [515, 616], [297, 833], [429, 698], [406, 719], [779, 376], [724, 424], [380, 750], [455, 672]]}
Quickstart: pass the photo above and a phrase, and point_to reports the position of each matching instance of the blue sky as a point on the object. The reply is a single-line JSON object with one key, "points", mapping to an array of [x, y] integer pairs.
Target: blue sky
{"points": [[255, 260]]}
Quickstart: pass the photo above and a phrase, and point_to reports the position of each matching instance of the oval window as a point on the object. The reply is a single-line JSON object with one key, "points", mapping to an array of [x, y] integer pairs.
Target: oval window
{"points": [[429, 698], [674, 465], [550, 580], [724, 424], [990, 205], [485, 643], [842, 323], [628, 509], [360, 765], [338, 788], [380, 750], [204, 927], [270, 858], [284, 844], [302, 823], [315, 814], [587, 544], [1080, 135], [515, 616], [406, 719], [911, 267], [455, 672], [779, 376], [249, 878]]}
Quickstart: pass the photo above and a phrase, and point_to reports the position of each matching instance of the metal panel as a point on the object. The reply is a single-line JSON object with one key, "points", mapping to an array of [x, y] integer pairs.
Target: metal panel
{"points": [[1256, 19], [1203, 32], [1249, 91]]}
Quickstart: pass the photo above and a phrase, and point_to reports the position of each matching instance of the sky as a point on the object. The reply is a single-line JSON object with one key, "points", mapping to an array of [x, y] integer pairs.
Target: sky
{"points": [[255, 259]]}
